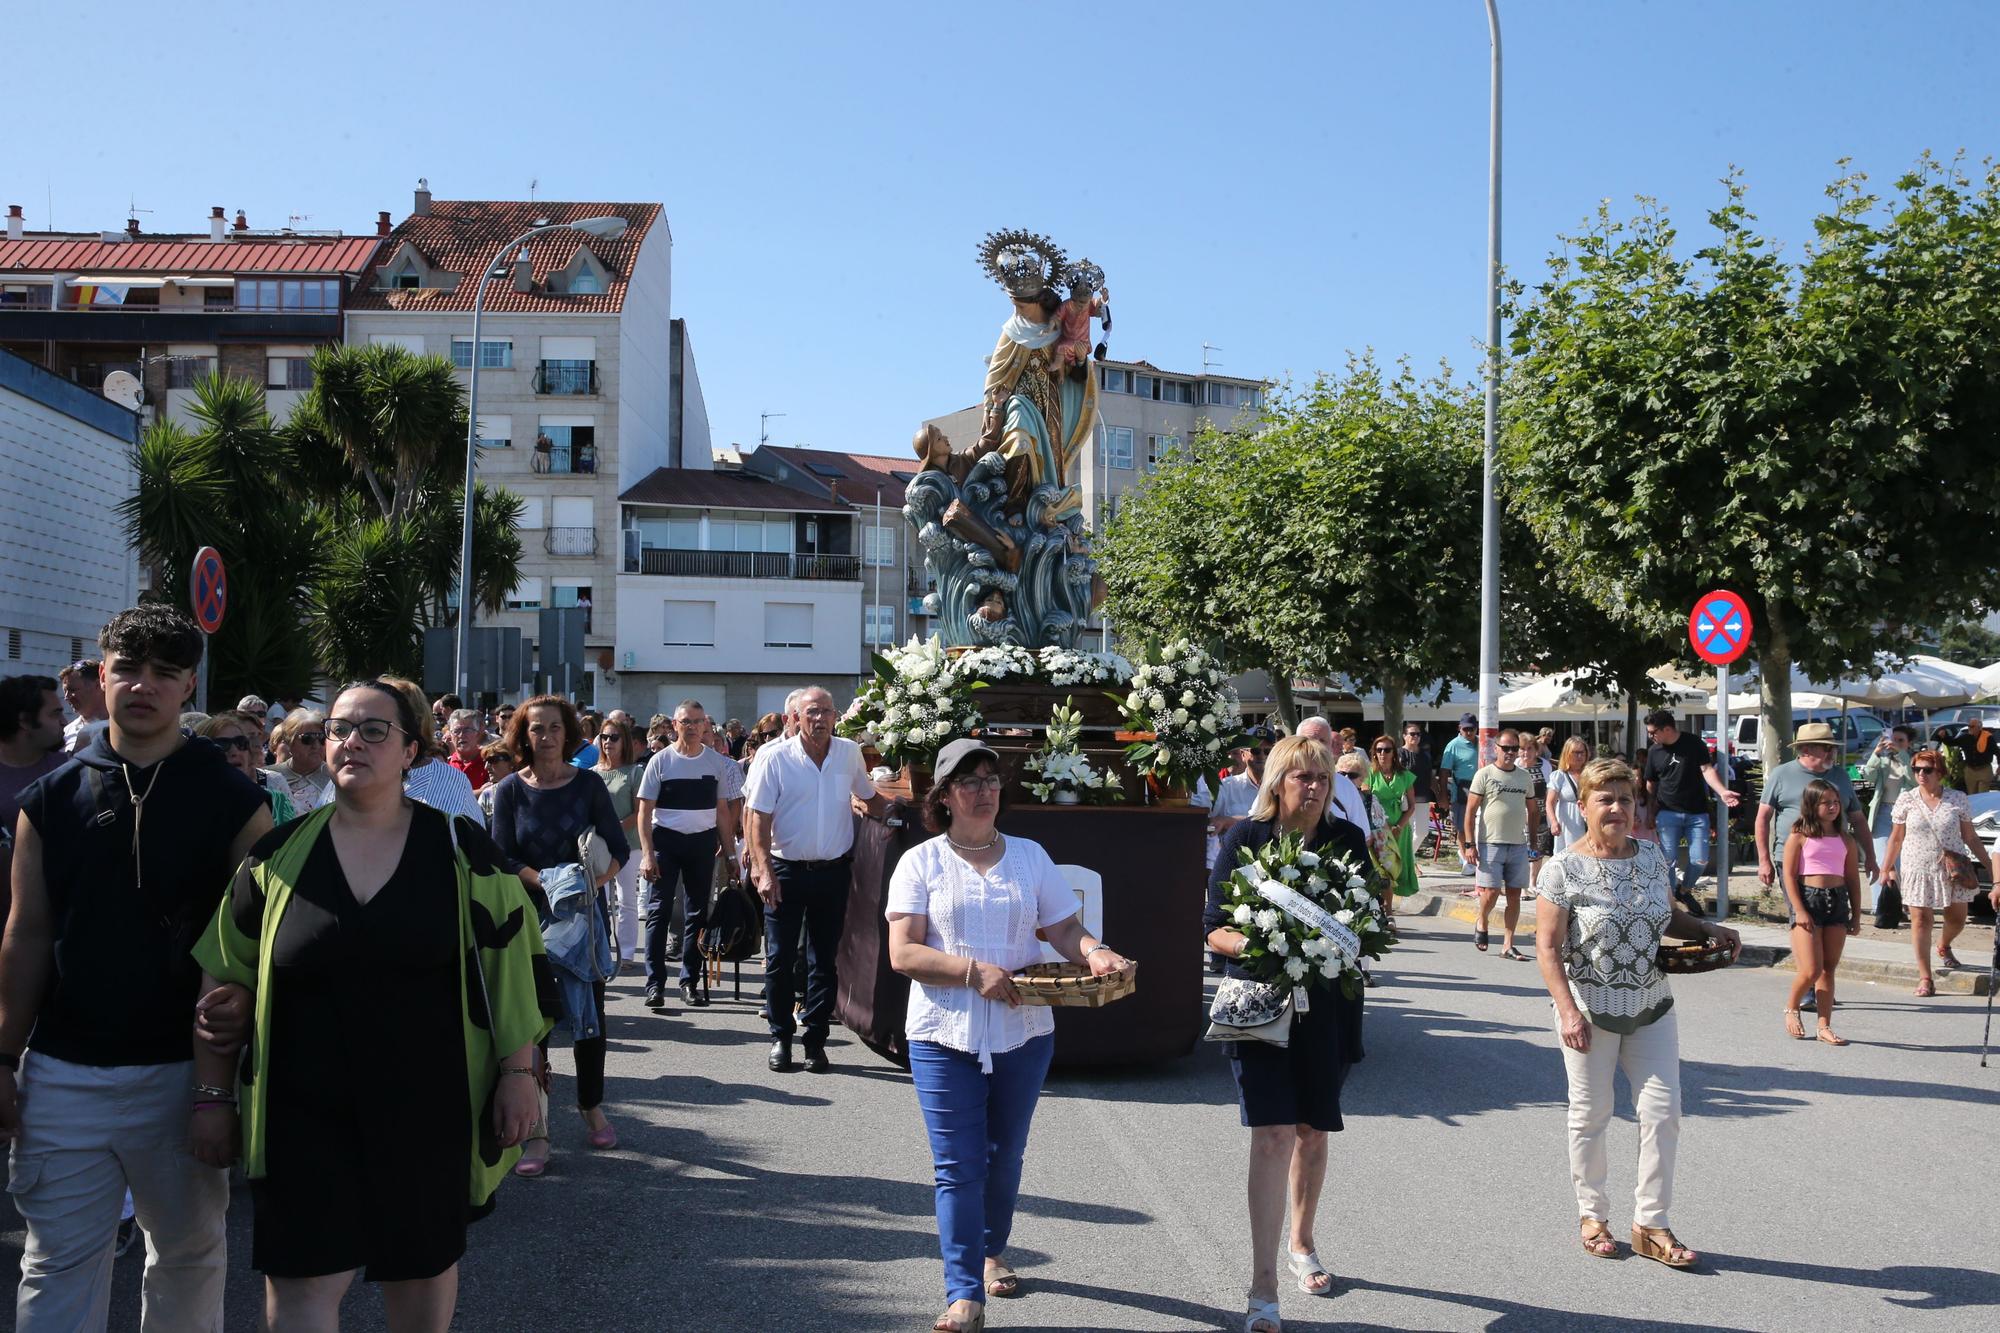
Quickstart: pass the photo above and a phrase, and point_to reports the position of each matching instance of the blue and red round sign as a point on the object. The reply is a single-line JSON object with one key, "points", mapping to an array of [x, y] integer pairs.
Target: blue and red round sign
{"points": [[1719, 628], [208, 589]]}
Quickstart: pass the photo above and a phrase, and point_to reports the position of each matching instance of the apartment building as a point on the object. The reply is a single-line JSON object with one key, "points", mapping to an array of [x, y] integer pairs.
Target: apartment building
{"points": [[169, 309], [65, 564], [587, 383], [871, 487]]}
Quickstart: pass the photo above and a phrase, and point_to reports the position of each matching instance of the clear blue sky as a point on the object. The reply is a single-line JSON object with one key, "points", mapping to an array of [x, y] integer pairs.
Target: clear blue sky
{"points": [[1284, 181]]}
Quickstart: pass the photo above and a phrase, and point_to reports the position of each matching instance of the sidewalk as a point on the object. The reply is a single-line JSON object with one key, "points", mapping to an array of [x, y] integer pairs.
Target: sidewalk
{"points": [[1874, 955]]}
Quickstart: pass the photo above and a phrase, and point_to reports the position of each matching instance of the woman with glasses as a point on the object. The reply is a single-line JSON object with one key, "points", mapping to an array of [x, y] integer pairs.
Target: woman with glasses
{"points": [[395, 1027], [430, 779], [1562, 811], [964, 910], [539, 813], [241, 737], [620, 769], [1930, 824], [300, 744], [1394, 786], [1289, 1096]]}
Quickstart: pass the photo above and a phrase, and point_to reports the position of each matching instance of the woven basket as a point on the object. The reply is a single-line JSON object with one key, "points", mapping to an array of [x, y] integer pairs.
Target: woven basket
{"points": [[1070, 985], [1706, 954]]}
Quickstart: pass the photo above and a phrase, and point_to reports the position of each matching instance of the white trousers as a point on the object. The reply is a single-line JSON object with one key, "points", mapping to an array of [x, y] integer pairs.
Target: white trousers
{"points": [[88, 1133], [625, 893], [1651, 1060]]}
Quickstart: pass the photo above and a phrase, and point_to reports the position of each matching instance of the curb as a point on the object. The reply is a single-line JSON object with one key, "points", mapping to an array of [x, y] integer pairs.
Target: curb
{"points": [[1964, 981]]}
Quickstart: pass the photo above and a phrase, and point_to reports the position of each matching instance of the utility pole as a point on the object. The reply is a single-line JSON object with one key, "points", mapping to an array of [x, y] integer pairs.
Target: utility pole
{"points": [[1489, 544]]}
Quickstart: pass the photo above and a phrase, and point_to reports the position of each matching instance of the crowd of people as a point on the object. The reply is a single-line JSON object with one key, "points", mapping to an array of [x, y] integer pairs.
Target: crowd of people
{"points": [[215, 922]]}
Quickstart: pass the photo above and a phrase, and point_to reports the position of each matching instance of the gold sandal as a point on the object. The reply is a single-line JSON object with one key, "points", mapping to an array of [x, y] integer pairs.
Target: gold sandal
{"points": [[1795, 1029], [1660, 1245], [1827, 1035], [1594, 1233]]}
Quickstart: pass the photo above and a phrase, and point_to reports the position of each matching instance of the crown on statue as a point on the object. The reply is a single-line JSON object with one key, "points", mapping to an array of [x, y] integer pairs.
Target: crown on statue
{"points": [[1083, 278], [1023, 262]]}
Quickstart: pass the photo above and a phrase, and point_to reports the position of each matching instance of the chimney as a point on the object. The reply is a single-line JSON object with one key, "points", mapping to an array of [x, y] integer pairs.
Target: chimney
{"points": [[242, 223], [217, 224], [422, 207], [382, 227], [524, 272], [15, 222], [131, 226]]}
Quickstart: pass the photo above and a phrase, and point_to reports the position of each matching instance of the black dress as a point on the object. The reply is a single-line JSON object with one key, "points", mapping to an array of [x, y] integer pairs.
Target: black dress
{"points": [[368, 1139], [1299, 1084]]}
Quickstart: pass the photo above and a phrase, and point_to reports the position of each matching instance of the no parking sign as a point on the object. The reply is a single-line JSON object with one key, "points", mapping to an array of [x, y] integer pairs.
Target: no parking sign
{"points": [[208, 589], [1719, 628]]}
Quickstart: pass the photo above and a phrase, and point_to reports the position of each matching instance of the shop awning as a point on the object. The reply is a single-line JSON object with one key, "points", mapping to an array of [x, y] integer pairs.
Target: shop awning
{"points": [[116, 280]]}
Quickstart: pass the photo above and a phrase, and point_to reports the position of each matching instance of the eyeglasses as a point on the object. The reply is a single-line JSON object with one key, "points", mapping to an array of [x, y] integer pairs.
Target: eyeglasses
{"points": [[373, 730], [607, 735], [1923, 768], [986, 782], [1305, 779], [313, 737], [1510, 749], [232, 742], [1385, 749]]}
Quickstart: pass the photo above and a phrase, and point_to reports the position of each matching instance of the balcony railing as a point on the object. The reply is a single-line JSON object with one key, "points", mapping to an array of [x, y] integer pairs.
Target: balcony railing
{"points": [[570, 541], [745, 565], [566, 378], [576, 459]]}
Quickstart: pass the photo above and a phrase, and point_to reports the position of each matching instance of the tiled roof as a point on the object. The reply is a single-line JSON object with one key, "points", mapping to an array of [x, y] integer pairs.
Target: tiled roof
{"points": [[725, 490], [457, 236], [167, 255], [860, 473]]}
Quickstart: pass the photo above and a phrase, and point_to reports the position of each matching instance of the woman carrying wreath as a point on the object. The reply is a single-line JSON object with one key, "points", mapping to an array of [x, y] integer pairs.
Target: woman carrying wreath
{"points": [[1289, 1097], [399, 987]]}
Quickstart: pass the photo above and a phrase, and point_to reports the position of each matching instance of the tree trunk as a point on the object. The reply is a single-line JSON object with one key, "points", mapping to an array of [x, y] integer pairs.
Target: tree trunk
{"points": [[1625, 742], [1392, 709], [1281, 690], [1775, 672]]}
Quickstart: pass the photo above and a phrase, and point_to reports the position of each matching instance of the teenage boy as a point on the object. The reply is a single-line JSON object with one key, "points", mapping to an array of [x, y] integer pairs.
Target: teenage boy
{"points": [[120, 858]]}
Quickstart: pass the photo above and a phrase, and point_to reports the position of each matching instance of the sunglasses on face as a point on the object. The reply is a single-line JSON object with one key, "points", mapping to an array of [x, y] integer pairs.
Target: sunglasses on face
{"points": [[312, 737], [607, 735], [232, 743], [1385, 749], [1510, 749], [373, 730], [1923, 768]]}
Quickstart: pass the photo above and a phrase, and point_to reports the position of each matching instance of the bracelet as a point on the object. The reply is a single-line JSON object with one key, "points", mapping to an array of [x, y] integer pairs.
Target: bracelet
{"points": [[971, 966], [511, 1069], [211, 1091], [1094, 948]]}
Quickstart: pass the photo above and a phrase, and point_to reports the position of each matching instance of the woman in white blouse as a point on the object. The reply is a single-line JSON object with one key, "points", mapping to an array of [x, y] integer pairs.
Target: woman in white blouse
{"points": [[963, 911]]}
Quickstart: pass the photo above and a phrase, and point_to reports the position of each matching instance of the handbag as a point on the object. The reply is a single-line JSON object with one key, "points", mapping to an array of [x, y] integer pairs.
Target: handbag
{"points": [[1960, 873], [1245, 1010]]}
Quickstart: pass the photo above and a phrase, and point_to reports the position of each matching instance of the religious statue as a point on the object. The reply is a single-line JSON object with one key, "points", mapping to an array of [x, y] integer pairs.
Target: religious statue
{"points": [[1001, 524]]}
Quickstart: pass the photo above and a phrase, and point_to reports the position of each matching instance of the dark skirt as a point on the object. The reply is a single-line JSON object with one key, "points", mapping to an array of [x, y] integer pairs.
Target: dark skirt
{"points": [[1300, 1084]]}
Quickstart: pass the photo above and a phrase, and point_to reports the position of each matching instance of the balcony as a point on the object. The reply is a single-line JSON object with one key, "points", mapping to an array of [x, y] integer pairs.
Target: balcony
{"points": [[744, 565], [151, 324], [566, 459], [566, 379], [570, 541]]}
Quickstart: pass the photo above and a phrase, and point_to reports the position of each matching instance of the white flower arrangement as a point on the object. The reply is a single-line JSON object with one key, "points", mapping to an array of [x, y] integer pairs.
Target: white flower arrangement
{"points": [[916, 702], [996, 662], [1068, 666], [1062, 767], [1283, 948], [1192, 727]]}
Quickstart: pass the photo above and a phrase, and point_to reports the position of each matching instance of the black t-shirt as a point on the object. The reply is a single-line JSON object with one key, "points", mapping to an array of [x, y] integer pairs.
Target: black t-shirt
{"points": [[1674, 771], [1420, 763], [124, 985]]}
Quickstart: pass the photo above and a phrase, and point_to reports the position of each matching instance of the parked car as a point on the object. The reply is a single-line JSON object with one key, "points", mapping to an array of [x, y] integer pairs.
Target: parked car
{"points": [[1858, 733]]}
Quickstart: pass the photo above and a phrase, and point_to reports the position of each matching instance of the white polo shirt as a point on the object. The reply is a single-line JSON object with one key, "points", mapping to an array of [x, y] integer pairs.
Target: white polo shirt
{"points": [[811, 819]]}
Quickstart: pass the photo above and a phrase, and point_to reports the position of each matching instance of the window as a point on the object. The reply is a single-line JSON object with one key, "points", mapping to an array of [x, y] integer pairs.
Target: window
{"points": [[827, 471], [288, 372], [567, 378], [531, 512], [1176, 391], [689, 625], [878, 624], [311, 296], [184, 372], [527, 596], [1118, 446], [1113, 381], [572, 447], [494, 353], [585, 282], [1157, 449], [788, 625], [879, 547], [217, 298], [573, 511], [496, 432], [406, 281], [1146, 386]]}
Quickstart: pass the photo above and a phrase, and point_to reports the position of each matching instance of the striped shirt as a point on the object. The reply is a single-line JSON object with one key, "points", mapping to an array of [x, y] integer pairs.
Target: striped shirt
{"points": [[684, 791]]}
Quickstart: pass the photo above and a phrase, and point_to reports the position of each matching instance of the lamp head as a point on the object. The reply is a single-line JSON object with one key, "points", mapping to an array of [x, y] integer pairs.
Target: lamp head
{"points": [[608, 228]]}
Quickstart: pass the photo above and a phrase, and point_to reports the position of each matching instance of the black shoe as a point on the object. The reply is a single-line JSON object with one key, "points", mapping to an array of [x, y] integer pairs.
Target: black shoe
{"points": [[691, 996], [656, 995], [673, 955], [781, 1056], [816, 1061]]}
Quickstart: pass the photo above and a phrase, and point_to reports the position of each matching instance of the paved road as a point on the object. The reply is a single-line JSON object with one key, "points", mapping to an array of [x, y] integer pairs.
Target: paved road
{"points": [[1829, 1189]]}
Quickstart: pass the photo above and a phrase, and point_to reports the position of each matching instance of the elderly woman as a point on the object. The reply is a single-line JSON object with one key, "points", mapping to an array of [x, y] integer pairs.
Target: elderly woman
{"points": [[499, 763], [391, 1082], [1606, 901], [300, 744], [963, 910], [1290, 1096], [539, 813], [1932, 823], [241, 737]]}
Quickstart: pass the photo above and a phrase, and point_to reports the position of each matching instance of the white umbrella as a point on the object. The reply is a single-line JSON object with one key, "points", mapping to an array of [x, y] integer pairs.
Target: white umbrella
{"points": [[1916, 685], [1550, 696], [1988, 678]]}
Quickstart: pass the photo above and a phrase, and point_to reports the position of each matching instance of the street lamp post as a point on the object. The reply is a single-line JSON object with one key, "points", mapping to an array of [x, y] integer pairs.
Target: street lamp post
{"points": [[1489, 537], [607, 228]]}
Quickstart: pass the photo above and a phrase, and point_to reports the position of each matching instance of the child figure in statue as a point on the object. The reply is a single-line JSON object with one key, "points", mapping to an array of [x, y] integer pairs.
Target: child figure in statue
{"points": [[1084, 304]]}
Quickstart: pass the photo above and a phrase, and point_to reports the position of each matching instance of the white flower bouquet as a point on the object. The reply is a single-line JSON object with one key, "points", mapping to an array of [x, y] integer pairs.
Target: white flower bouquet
{"points": [[1068, 666], [1310, 921], [995, 662], [1183, 703], [914, 705], [1062, 767]]}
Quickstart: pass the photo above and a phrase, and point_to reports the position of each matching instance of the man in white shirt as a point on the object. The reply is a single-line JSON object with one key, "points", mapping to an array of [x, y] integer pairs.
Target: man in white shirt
{"points": [[686, 822], [1347, 802], [801, 840], [83, 690]]}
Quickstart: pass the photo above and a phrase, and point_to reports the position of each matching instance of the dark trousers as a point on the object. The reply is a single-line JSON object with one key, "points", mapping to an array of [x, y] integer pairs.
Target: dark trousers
{"points": [[813, 895], [687, 865]]}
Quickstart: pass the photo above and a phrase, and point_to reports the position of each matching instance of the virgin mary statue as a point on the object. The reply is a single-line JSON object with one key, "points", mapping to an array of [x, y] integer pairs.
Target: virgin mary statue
{"points": [[1038, 418]]}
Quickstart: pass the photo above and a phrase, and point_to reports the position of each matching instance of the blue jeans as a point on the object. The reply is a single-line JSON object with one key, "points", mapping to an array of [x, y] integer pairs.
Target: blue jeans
{"points": [[1676, 826], [978, 1127]]}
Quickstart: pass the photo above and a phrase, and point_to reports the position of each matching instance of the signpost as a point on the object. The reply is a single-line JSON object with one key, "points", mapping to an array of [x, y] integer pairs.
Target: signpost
{"points": [[1719, 629], [208, 595]]}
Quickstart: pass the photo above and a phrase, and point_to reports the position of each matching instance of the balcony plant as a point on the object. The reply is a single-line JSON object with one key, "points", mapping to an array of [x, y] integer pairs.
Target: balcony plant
{"points": [[1067, 776]]}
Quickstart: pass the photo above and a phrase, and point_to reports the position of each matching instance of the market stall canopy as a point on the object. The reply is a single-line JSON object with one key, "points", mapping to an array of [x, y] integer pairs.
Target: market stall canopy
{"points": [[1917, 684]]}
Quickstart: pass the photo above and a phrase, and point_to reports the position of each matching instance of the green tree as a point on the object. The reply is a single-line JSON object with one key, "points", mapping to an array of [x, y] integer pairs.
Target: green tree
{"points": [[1800, 433]]}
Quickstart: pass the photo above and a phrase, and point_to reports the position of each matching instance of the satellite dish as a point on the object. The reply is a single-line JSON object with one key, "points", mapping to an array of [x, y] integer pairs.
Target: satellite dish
{"points": [[123, 388]]}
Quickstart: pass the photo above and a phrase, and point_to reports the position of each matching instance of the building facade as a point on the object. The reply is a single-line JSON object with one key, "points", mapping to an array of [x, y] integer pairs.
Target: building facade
{"points": [[172, 309], [65, 564], [587, 384], [871, 488]]}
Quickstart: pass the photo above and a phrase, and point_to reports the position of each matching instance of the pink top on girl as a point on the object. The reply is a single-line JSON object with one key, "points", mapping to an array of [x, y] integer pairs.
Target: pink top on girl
{"points": [[1824, 856]]}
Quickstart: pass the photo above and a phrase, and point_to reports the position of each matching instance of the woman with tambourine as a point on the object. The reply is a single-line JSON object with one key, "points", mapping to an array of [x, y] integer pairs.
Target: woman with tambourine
{"points": [[1607, 899]]}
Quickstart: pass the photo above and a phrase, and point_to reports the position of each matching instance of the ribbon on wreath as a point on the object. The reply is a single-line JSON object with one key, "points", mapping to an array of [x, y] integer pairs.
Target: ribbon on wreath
{"points": [[1307, 912]]}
